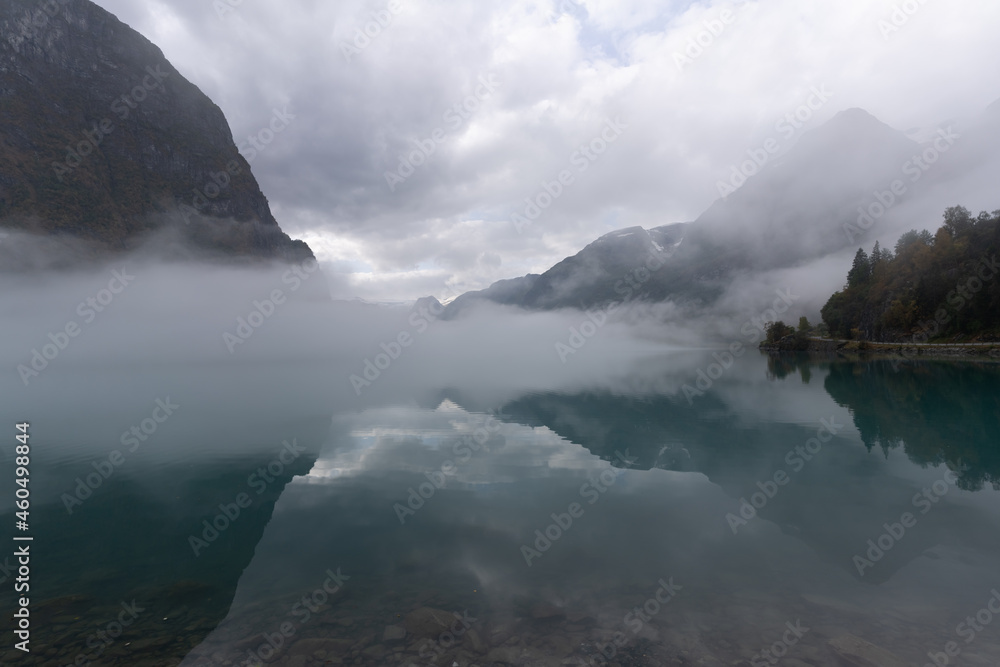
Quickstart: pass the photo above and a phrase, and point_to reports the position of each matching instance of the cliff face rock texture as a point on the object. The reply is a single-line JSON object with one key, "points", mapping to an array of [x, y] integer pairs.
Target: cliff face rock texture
{"points": [[105, 147]]}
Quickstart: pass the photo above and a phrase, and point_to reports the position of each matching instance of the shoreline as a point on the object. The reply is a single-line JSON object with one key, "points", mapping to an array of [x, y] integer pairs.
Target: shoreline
{"points": [[849, 349]]}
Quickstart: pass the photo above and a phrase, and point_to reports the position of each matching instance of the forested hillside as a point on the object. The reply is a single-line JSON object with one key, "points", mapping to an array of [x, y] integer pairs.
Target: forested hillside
{"points": [[930, 286]]}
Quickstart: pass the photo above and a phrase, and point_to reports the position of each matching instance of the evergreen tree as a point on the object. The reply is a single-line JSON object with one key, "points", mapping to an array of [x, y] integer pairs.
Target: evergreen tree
{"points": [[860, 271], [935, 285], [906, 240]]}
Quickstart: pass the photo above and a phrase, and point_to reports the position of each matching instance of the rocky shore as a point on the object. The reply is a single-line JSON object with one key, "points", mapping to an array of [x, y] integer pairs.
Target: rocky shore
{"points": [[373, 627]]}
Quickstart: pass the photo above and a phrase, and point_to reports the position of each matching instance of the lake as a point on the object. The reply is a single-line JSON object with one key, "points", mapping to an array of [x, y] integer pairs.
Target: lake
{"points": [[677, 512]]}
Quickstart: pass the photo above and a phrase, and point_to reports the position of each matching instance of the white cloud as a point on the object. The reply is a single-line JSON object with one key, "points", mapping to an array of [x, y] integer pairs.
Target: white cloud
{"points": [[561, 79]]}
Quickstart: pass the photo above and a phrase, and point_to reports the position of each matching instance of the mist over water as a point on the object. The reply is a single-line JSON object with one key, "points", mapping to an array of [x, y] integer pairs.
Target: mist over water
{"points": [[203, 317], [480, 474]]}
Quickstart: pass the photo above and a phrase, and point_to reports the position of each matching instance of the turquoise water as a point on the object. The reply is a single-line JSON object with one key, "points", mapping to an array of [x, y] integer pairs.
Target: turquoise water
{"points": [[791, 504]]}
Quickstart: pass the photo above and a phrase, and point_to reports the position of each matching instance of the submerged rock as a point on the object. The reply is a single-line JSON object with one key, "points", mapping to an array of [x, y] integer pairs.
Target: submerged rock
{"points": [[428, 622], [546, 610]]}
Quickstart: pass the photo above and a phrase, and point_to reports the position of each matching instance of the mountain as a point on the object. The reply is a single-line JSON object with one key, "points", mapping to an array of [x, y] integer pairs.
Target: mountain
{"points": [[504, 292], [600, 272], [611, 268], [666, 432], [968, 172], [105, 147], [796, 208]]}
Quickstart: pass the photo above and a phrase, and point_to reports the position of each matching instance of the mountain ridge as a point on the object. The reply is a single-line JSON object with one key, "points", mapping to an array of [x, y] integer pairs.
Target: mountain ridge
{"points": [[792, 211], [105, 148]]}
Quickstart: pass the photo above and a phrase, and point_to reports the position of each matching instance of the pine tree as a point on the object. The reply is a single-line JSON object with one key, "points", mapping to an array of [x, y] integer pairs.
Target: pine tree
{"points": [[892, 293], [876, 256], [860, 271]]}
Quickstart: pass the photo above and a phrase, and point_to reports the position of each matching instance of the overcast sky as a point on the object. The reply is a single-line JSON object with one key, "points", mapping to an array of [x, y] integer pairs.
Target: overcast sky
{"points": [[558, 72]]}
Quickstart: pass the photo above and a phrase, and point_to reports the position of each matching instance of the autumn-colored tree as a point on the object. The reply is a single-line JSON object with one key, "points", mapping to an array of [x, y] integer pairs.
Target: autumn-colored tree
{"points": [[943, 277], [775, 331]]}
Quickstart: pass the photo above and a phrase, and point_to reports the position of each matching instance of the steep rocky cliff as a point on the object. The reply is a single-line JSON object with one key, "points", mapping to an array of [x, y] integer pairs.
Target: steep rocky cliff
{"points": [[105, 147]]}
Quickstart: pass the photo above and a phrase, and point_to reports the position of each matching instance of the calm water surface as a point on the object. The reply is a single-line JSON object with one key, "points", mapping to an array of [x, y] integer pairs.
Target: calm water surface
{"points": [[791, 512]]}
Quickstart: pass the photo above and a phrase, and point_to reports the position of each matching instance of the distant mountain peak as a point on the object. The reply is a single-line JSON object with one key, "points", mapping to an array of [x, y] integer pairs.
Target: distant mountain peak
{"points": [[621, 233], [851, 125], [855, 114], [594, 276]]}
